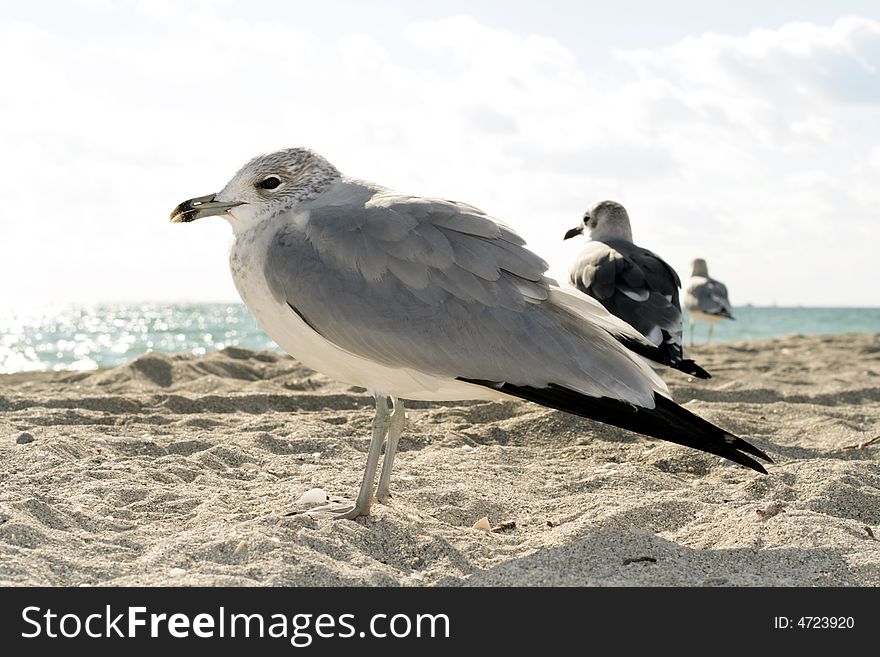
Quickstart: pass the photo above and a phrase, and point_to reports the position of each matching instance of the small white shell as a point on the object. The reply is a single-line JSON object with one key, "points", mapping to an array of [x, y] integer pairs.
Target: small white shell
{"points": [[483, 523], [313, 496]]}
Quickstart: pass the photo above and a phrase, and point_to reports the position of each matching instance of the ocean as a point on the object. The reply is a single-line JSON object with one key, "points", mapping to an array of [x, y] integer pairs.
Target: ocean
{"points": [[87, 337]]}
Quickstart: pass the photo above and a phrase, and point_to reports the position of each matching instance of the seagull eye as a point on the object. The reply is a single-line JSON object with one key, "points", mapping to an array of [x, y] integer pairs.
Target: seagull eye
{"points": [[269, 183]]}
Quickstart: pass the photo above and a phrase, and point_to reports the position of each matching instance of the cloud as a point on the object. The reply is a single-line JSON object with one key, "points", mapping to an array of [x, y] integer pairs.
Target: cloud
{"points": [[522, 60], [744, 149], [488, 121], [778, 85], [837, 62], [620, 159]]}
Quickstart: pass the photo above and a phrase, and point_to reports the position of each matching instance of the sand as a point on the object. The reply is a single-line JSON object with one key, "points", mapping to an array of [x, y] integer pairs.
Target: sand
{"points": [[179, 470]]}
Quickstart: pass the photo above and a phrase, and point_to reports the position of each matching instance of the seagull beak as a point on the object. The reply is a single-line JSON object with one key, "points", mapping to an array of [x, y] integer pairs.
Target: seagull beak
{"points": [[203, 206], [574, 231]]}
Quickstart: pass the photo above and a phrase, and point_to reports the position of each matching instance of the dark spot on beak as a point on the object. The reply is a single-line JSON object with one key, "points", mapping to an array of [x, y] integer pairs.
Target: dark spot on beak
{"points": [[202, 206], [188, 210], [574, 232]]}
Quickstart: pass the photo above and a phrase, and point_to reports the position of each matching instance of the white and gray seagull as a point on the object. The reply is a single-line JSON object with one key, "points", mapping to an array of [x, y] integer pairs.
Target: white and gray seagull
{"points": [[632, 283], [706, 299], [428, 299]]}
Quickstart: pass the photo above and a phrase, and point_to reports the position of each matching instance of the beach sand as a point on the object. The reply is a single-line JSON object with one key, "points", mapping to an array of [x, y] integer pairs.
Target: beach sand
{"points": [[179, 470]]}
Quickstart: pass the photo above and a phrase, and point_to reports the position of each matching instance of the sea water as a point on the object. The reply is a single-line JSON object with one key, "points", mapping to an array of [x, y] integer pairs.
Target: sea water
{"points": [[86, 337]]}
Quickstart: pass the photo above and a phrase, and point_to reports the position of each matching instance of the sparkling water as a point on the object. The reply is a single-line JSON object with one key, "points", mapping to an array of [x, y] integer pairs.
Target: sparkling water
{"points": [[86, 337]]}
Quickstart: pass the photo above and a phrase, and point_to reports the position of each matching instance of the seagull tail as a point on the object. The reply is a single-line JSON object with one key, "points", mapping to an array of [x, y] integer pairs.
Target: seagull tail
{"points": [[723, 313], [668, 353], [690, 367], [666, 421]]}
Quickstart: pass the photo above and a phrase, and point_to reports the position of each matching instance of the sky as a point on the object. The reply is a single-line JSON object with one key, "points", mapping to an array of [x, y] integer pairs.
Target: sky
{"points": [[744, 133]]}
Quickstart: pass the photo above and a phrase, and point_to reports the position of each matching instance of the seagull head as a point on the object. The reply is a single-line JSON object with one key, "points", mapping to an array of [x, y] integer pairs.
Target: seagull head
{"points": [[699, 268], [263, 187], [605, 220]]}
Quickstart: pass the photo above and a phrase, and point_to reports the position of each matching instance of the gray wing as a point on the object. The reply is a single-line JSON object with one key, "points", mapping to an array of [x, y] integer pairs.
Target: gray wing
{"points": [[636, 285], [442, 288], [708, 296]]}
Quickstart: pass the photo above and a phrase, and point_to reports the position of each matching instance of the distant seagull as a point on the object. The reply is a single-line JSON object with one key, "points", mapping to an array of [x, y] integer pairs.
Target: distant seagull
{"points": [[706, 299], [632, 283], [422, 298]]}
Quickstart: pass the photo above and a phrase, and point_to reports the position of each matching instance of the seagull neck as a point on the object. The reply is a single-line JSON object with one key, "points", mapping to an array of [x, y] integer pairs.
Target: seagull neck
{"points": [[247, 219], [611, 233]]}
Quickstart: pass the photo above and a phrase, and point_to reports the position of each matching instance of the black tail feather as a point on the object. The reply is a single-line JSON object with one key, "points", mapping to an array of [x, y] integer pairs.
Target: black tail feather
{"points": [[721, 312], [690, 367], [667, 420], [664, 356]]}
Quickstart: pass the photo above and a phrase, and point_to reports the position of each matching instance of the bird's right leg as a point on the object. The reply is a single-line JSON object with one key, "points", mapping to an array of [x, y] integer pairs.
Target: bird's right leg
{"points": [[361, 506], [711, 328], [692, 332]]}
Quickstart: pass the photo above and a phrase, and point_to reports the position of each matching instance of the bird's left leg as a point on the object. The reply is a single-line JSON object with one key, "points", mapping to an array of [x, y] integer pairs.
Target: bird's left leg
{"points": [[398, 420], [711, 328]]}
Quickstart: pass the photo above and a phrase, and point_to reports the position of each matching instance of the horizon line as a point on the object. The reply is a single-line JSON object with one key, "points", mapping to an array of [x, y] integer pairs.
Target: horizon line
{"points": [[6, 306]]}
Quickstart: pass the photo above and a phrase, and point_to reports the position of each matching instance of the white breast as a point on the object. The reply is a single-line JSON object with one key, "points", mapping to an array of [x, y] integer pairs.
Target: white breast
{"points": [[247, 257]]}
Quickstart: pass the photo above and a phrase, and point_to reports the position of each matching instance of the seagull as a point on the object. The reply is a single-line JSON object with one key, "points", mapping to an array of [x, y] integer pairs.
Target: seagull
{"points": [[632, 283], [706, 299], [418, 298]]}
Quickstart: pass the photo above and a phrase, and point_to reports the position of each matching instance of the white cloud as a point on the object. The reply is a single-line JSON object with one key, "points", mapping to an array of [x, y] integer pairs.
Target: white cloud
{"points": [[837, 62], [746, 150]]}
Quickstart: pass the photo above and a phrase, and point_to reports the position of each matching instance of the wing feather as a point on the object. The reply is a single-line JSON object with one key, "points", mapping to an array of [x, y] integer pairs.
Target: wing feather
{"points": [[445, 290]]}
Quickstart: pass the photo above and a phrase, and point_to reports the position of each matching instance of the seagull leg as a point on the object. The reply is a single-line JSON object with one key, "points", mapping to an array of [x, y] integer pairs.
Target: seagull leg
{"points": [[380, 427], [692, 332], [361, 506], [711, 328], [398, 420]]}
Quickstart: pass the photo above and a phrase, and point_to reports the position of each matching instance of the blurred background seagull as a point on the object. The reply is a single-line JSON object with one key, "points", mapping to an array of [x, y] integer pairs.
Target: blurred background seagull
{"points": [[632, 283], [429, 299], [706, 299]]}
